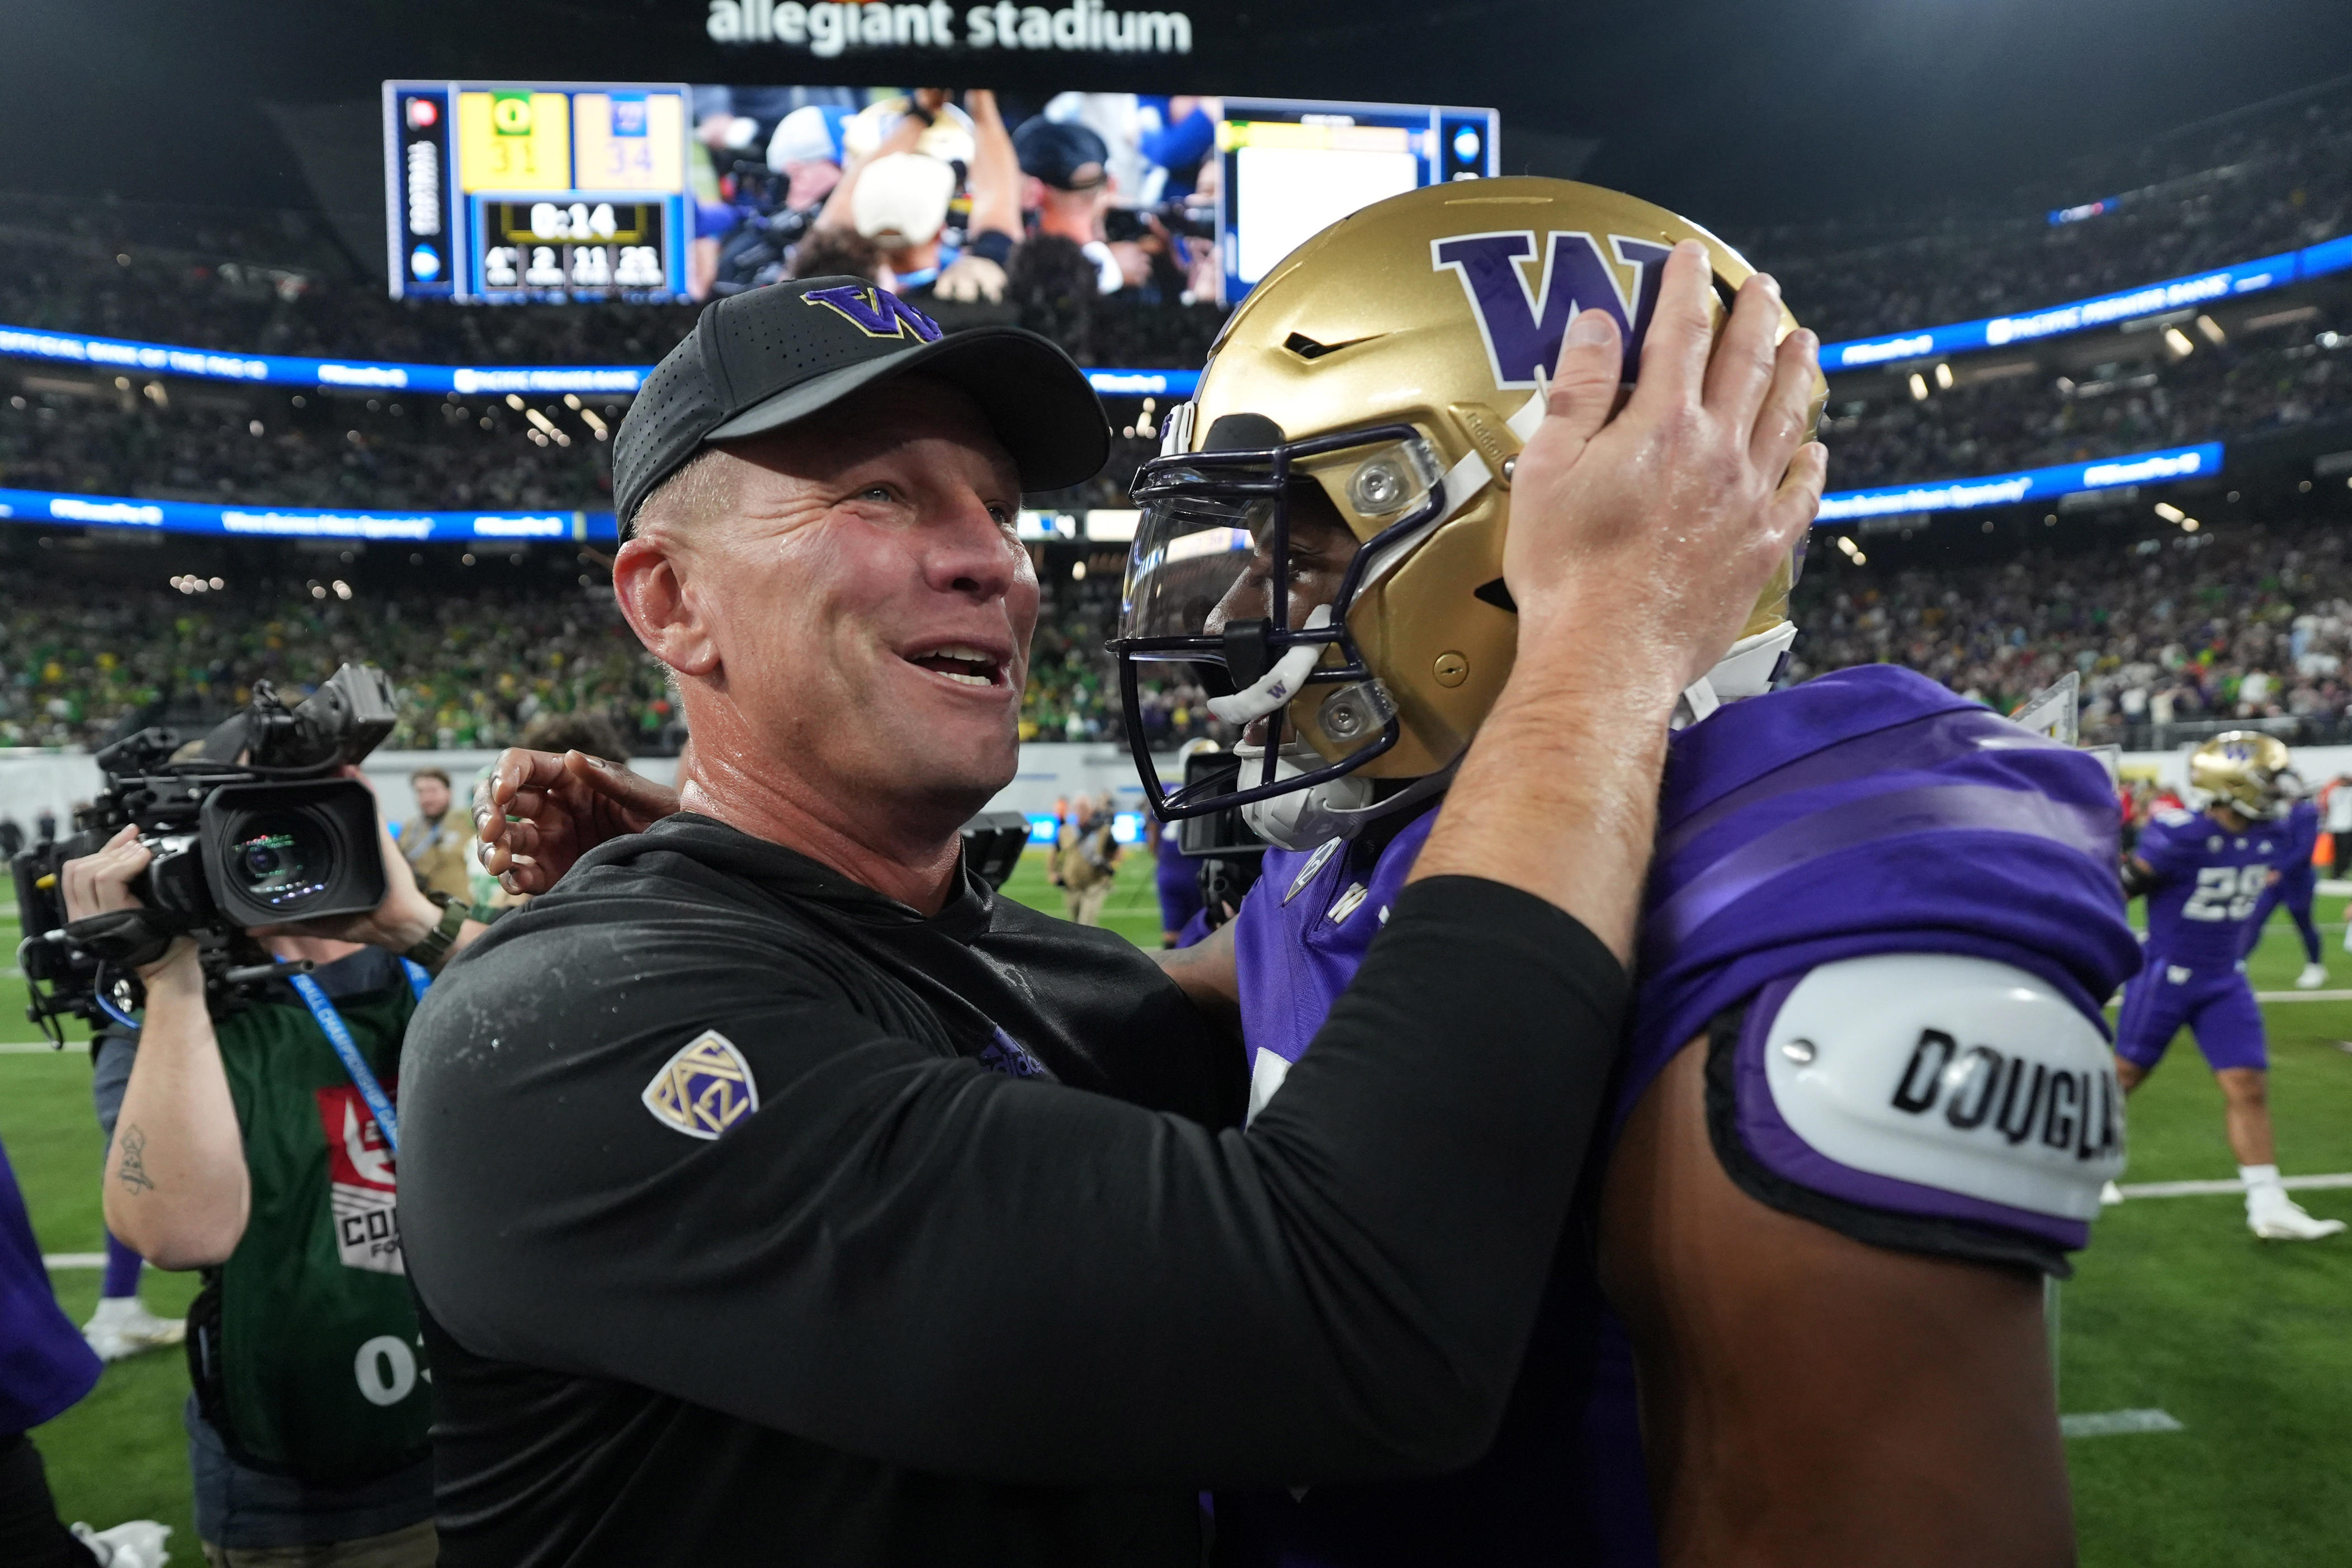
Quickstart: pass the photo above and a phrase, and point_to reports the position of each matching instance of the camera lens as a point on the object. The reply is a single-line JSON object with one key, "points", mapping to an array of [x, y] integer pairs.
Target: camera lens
{"points": [[280, 860]]}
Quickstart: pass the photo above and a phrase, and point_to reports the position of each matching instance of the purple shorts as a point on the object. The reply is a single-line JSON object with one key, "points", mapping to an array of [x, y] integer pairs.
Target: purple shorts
{"points": [[2217, 1004]]}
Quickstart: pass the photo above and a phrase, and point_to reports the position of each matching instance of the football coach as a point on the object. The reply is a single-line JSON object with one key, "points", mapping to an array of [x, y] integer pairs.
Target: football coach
{"points": [[775, 1194]]}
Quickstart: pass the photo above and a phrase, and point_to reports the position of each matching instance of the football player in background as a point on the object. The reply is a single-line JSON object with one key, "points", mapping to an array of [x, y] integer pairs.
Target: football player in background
{"points": [[2296, 887], [1867, 1098], [2204, 873]]}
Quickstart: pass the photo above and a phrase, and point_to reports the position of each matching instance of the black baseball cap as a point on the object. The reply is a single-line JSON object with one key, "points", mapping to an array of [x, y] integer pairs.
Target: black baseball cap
{"points": [[764, 359], [1056, 151]]}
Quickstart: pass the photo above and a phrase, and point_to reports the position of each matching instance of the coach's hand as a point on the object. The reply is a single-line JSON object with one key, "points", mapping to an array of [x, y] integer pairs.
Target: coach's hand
{"points": [[537, 812], [1638, 546], [1658, 528]]}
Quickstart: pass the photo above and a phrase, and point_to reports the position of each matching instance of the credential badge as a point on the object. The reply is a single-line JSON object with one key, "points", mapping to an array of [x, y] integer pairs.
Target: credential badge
{"points": [[704, 1089]]}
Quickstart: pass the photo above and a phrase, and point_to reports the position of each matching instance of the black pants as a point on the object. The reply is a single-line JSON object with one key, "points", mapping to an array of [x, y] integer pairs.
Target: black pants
{"points": [[31, 1535]]}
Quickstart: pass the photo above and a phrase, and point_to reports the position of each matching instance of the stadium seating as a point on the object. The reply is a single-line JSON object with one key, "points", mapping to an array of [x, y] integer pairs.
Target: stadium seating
{"points": [[2261, 182], [2174, 635], [2240, 622], [78, 659]]}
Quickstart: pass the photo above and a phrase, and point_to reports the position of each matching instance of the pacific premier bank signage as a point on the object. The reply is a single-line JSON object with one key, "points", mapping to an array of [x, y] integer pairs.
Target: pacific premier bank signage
{"points": [[826, 30]]}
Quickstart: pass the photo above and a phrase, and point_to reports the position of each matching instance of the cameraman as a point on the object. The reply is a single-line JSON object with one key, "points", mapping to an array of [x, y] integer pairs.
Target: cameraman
{"points": [[244, 1147]]}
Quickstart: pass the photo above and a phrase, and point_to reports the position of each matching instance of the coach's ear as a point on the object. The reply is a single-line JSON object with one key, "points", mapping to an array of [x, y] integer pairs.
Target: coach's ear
{"points": [[650, 580]]}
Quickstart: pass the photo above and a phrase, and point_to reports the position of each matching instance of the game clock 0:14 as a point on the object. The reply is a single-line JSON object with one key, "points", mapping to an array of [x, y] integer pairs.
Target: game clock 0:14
{"points": [[596, 248]]}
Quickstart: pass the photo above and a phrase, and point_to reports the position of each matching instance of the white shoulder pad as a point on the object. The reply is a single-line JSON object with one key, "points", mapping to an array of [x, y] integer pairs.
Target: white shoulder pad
{"points": [[1959, 1074]]}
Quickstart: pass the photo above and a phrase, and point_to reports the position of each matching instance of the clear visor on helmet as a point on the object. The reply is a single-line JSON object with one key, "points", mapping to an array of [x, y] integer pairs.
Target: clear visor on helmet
{"points": [[1258, 537], [1192, 555], [1239, 579]]}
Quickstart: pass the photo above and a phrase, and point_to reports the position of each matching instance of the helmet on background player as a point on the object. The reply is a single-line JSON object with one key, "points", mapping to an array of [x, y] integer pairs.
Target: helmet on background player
{"points": [[1324, 527], [2249, 772]]}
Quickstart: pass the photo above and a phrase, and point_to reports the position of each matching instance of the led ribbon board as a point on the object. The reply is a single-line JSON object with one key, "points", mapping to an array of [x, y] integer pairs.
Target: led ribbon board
{"points": [[303, 522], [2085, 315], [443, 380], [2026, 485]]}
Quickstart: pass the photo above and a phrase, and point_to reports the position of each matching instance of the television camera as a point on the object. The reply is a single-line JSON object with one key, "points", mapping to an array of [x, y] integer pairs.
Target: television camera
{"points": [[1230, 854], [252, 826]]}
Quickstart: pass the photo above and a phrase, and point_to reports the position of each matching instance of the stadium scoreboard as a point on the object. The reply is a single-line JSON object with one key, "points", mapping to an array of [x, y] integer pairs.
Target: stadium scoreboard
{"points": [[499, 192], [1292, 168]]}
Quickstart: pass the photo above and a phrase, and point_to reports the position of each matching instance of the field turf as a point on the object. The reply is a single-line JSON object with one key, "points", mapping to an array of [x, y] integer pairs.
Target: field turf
{"points": [[2176, 1307]]}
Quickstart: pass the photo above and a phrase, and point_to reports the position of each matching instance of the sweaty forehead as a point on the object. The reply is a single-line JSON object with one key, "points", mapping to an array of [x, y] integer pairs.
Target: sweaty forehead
{"points": [[877, 421]]}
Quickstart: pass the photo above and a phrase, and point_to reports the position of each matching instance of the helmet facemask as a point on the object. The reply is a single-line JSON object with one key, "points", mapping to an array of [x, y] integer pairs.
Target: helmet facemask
{"points": [[1385, 374], [1245, 568]]}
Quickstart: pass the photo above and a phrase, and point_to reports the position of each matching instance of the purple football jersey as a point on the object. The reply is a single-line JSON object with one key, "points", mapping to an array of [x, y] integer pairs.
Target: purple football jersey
{"points": [[2209, 884], [44, 1366], [1870, 811]]}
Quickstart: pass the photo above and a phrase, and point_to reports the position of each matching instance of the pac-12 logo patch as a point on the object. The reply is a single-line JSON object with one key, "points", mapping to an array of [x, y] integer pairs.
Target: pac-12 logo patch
{"points": [[875, 311], [704, 1089]]}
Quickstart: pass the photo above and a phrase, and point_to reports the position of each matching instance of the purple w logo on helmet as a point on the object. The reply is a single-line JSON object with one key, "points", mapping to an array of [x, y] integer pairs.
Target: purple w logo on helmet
{"points": [[1523, 327], [875, 311]]}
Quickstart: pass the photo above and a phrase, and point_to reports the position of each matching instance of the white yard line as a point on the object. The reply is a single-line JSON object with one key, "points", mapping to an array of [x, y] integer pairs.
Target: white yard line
{"points": [[2266, 996], [2109, 1423], [2215, 1189], [56, 1260]]}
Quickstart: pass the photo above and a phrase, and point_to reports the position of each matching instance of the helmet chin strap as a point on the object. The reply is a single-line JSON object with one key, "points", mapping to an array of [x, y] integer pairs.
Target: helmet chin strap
{"points": [[1276, 687], [1345, 806], [1748, 671], [1302, 818]]}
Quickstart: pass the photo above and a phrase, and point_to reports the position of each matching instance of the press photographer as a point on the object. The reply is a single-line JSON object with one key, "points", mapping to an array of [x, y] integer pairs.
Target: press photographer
{"points": [[256, 1137]]}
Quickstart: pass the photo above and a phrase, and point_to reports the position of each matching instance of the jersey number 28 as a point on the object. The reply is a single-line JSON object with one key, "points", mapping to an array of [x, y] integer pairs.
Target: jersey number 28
{"points": [[2226, 892]]}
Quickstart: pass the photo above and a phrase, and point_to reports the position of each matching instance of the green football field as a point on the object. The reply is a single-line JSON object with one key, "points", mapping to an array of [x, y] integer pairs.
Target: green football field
{"points": [[2176, 1307]]}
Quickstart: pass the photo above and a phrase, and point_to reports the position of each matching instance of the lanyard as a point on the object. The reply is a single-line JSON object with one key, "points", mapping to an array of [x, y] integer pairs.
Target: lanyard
{"points": [[339, 1035]]}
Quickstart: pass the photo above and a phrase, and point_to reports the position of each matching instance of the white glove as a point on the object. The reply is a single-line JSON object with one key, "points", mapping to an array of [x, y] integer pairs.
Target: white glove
{"points": [[136, 1544]]}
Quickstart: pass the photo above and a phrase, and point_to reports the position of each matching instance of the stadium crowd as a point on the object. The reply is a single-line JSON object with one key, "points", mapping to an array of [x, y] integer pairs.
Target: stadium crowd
{"points": [[2249, 624], [262, 447], [2235, 623], [2232, 624], [472, 669]]}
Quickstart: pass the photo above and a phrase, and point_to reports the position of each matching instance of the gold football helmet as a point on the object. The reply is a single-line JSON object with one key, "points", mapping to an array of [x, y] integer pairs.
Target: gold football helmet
{"points": [[1325, 523], [2247, 771]]}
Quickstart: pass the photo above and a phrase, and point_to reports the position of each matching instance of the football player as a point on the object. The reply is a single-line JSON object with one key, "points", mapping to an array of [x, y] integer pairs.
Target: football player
{"points": [[2297, 886], [2204, 872], [1867, 1098]]}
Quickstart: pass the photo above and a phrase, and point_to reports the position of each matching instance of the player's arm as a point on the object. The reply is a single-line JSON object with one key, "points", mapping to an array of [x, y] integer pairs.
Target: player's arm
{"points": [[2140, 877], [1205, 972], [1826, 1375]]}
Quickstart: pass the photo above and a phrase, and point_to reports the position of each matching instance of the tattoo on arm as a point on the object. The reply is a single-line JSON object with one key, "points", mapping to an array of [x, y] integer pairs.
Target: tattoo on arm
{"points": [[133, 1171]]}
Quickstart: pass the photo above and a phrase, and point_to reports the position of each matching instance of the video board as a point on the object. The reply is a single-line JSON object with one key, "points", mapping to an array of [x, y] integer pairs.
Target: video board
{"points": [[1292, 169], [533, 193], [550, 193]]}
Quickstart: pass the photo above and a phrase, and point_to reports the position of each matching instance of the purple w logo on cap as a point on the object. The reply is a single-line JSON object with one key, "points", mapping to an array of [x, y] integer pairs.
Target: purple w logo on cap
{"points": [[1523, 328], [875, 311]]}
